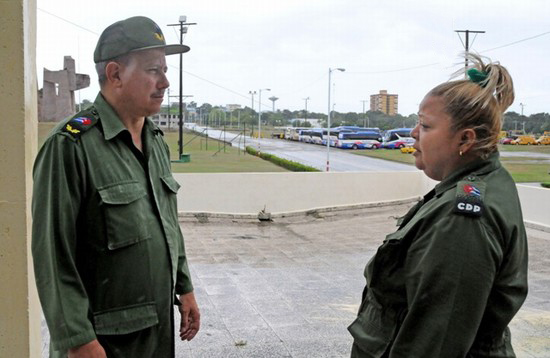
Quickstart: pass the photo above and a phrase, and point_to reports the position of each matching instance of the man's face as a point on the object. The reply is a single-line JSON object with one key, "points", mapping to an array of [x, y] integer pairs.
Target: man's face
{"points": [[143, 82]]}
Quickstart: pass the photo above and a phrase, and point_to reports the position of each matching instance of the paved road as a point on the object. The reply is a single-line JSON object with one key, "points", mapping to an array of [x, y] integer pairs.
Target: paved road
{"points": [[309, 154]]}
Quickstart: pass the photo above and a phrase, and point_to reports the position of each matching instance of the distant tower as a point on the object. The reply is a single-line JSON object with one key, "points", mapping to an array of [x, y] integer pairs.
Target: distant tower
{"points": [[273, 99]]}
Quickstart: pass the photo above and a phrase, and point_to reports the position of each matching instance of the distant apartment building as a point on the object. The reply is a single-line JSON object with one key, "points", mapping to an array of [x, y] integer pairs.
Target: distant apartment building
{"points": [[384, 102]]}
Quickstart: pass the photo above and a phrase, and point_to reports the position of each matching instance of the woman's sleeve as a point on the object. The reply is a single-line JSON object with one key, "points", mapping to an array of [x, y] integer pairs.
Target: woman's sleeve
{"points": [[450, 269]]}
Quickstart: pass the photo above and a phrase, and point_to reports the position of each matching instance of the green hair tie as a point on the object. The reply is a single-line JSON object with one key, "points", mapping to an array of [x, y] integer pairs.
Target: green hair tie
{"points": [[477, 76]]}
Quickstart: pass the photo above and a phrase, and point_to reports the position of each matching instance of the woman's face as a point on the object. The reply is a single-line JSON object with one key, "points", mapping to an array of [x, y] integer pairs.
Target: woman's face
{"points": [[437, 145]]}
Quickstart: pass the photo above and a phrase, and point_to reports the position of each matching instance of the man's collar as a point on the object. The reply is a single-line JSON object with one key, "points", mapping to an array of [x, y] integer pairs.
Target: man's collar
{"points": [[111, 123]]}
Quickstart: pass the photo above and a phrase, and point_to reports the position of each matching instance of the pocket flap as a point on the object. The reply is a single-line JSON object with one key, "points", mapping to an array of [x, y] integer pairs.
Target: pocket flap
{"points": [[122, 193], [126, 319], [171, 183]]}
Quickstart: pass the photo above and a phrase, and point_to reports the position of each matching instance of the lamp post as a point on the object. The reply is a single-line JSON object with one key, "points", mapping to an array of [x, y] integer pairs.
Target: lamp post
{"points": [[305, 119], [365, 118], [329, 110], [260, 114], [183, 24], [252, 93]]}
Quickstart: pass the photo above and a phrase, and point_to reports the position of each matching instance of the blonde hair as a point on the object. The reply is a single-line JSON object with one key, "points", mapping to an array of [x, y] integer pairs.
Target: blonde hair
{"points": [[478, 105]]}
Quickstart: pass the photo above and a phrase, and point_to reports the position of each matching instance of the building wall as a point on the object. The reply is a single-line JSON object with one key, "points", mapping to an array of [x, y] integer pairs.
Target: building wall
{"points": [[384, 102]]}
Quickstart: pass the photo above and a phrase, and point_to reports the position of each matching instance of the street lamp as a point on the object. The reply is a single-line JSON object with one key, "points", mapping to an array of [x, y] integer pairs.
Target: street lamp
{"points": [[252, 93], [305, 119], [260, 114], [365, 118], [183, 24], [329, 110]]}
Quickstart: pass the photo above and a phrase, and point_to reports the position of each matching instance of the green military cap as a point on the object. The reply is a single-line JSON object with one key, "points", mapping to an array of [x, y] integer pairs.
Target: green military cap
{"points": [[133, 34]]}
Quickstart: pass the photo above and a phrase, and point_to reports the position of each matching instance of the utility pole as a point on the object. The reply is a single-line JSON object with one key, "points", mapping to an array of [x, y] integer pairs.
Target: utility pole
{"points": [[183, 30], [467, 45]]}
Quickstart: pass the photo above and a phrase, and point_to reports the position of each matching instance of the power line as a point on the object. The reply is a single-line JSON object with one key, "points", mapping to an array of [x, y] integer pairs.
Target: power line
{"points": [[67, 21], [396, 70], [518, 41]]}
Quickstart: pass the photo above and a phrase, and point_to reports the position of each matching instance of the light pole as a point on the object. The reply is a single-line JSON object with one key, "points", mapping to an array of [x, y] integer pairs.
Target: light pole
{"points": [[260, 114], [252, 93], [329, 110], [305, 119], [364, 114], [183, 30]]}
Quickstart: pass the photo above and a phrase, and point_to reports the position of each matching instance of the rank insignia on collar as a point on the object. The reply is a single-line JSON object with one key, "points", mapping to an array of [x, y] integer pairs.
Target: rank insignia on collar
{"points": [[469, 198]]}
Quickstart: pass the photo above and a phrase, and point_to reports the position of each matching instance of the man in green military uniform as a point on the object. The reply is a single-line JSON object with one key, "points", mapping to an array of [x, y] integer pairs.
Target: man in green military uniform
{"points": [[108, 252]]}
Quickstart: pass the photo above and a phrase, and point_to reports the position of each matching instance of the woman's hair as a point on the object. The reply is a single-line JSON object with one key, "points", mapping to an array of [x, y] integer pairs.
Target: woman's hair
{"points": [[478, 102]]}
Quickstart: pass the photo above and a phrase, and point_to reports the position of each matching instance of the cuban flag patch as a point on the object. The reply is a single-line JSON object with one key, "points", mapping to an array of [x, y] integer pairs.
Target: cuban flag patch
{"points": [[469, 197], [85, 121]]}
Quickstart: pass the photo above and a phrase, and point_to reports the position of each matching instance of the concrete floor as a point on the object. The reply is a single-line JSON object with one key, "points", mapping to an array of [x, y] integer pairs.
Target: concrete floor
{"points": [[290, 288]]}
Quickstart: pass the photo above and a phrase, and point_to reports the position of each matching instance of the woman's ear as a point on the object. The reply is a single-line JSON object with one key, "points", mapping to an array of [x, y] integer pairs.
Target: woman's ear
{"points": [[467, 140], [112, 74]]}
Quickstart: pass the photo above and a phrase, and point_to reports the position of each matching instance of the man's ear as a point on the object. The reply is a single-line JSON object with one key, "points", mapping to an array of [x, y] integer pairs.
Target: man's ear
{"points": [[467, 140], [113, 73]]}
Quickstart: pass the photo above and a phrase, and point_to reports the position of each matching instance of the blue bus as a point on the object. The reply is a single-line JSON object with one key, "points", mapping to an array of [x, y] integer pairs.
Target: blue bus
{"points": [[359, 140]]}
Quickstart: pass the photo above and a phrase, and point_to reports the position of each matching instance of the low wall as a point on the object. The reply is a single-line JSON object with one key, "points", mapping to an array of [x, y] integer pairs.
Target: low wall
{"points": [[535, 204], [250, 193]]}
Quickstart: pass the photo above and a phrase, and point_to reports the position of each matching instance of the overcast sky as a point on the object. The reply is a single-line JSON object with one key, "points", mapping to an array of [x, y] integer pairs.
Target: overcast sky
{"points": [[405, 47]]}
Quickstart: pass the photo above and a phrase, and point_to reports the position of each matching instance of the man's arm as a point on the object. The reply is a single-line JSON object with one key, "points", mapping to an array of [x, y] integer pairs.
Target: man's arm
{"points": [[57, 194]]}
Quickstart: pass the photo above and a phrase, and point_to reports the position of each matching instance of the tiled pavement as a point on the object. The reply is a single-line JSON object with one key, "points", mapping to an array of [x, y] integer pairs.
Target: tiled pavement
{"points": [[290, 288]]}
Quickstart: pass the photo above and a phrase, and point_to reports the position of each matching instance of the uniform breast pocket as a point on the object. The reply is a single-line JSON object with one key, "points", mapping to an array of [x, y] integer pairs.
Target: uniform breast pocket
{"points": [[124, 206]]}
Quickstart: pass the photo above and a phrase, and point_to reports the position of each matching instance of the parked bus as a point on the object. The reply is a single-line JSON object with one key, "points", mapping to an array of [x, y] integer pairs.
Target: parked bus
{"points": [[317, 136], [398, 138], [304, 135], [358, 140]]}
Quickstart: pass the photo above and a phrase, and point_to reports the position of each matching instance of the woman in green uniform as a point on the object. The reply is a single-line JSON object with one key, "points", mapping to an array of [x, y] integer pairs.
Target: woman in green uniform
{"points": [[451, 278]]}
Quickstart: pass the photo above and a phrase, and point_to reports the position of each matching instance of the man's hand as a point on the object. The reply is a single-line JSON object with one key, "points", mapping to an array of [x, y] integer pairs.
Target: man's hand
{"points": [[190, 316], [89, 350]]}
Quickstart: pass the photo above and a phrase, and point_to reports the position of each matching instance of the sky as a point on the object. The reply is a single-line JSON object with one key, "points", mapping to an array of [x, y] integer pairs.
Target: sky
{"points": [[238, 46]]}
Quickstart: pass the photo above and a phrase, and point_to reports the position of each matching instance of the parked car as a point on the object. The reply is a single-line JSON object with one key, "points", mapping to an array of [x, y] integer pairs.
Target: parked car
{"points": [[507, 140], [545, 140], [408, 150], [524, 140]]}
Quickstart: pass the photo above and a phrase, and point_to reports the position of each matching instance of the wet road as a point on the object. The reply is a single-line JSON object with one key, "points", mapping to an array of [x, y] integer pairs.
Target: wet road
{"points": [[309, 154]]}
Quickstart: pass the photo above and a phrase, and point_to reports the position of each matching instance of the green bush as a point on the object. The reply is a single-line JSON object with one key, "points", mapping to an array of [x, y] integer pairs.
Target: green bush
{"points": [[287, 164], [546, 185]]}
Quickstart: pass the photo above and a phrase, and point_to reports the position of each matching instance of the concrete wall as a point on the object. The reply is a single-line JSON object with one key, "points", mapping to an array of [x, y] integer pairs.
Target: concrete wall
{"points": [[535, 204], [249, 193], [19, 308]]}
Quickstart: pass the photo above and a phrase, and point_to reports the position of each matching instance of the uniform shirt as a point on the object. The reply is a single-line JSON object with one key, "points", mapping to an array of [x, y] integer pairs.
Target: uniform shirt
{"points": [[107, 248], [451, 278]]}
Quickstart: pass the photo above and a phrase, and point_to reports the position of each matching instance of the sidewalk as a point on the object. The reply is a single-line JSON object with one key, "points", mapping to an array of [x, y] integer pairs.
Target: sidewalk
{"points": [[290, 288]]}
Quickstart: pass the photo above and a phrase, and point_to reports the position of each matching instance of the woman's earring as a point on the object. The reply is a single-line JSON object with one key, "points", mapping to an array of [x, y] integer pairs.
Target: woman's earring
{"points": [[460, 153]]}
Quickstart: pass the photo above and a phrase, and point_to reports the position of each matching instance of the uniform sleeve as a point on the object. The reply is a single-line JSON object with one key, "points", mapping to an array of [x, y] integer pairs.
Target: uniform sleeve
{"points": [[450, 269], [57, 194], [183, 277]]}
